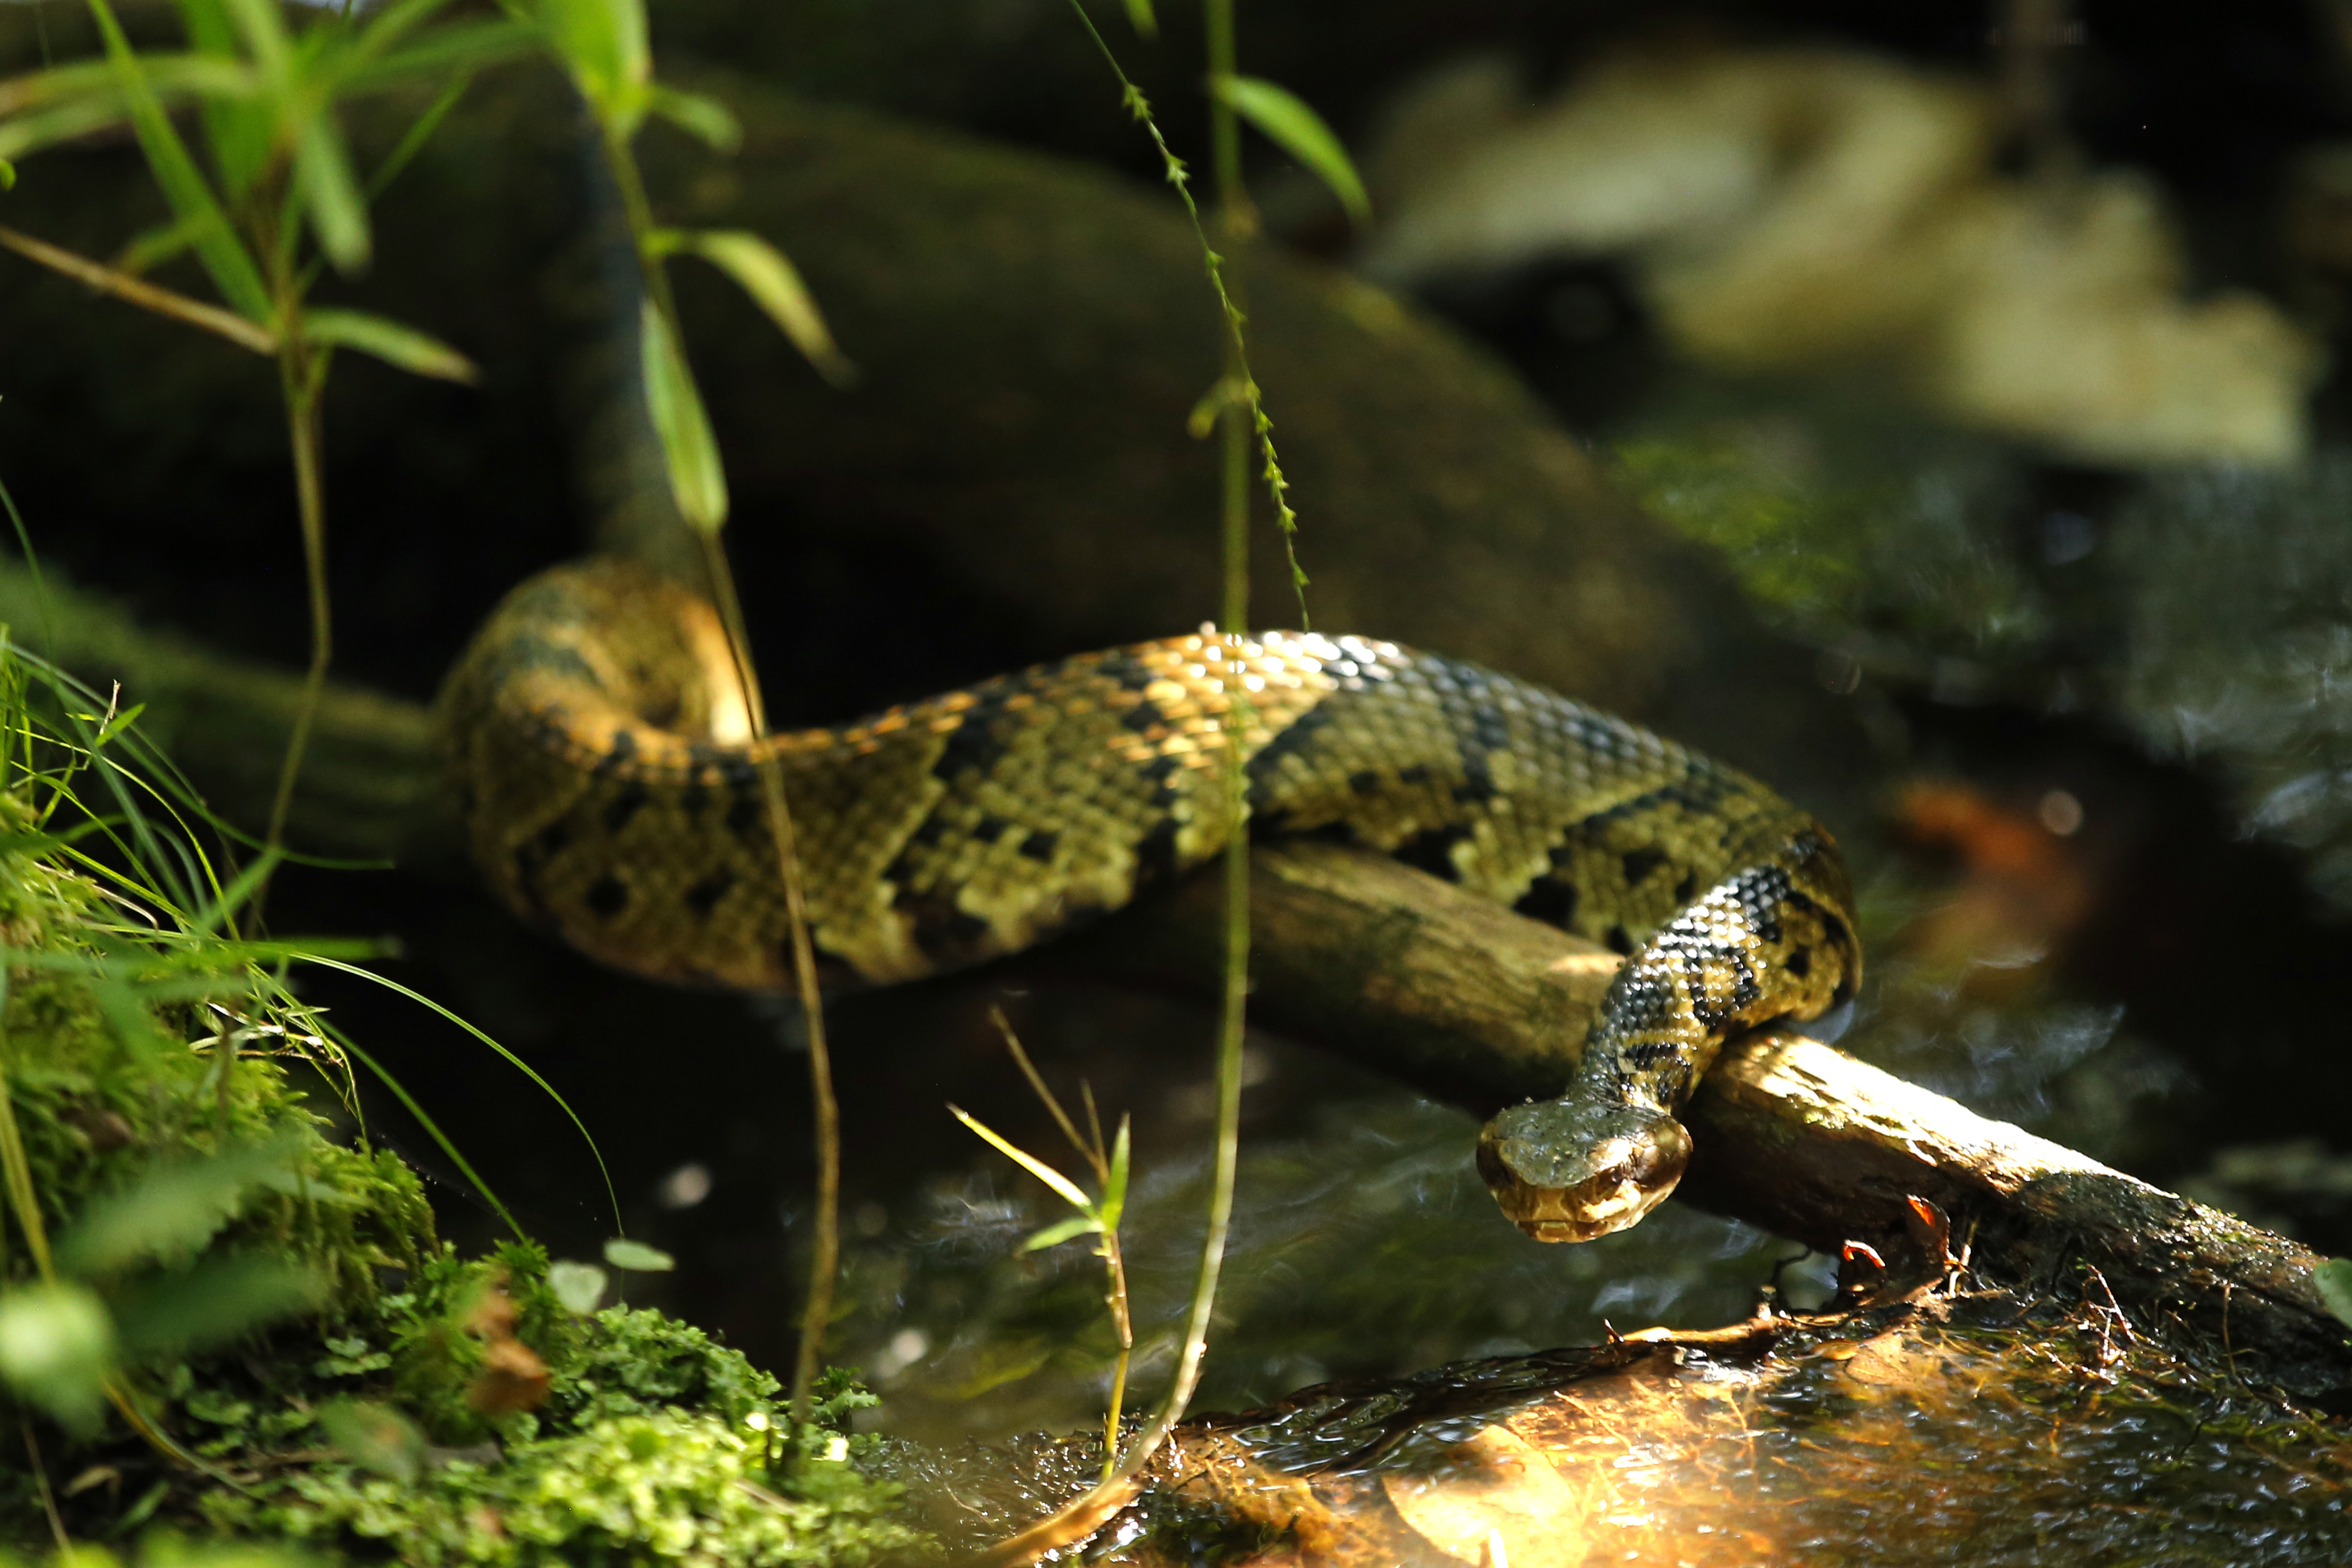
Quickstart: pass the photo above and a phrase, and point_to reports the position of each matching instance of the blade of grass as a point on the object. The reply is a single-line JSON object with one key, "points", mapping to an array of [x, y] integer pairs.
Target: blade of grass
{"points": [[232, 271], [1298, 130], [524, 1067]]}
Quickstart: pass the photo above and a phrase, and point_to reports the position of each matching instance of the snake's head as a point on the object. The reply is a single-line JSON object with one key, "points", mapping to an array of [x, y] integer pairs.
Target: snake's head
{"points": [[1567, 1170]]}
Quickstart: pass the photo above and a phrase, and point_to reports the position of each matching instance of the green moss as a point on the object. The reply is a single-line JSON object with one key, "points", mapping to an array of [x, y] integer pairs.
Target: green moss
{"points": [[315, 1368]]}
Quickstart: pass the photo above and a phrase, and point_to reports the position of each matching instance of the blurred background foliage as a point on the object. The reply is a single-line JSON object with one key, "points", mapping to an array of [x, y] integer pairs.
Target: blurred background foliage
{"points": [[1936, 411]]}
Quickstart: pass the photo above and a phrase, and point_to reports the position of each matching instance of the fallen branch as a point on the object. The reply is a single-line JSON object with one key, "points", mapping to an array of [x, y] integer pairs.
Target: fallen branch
{"points": [[1465, 999]]}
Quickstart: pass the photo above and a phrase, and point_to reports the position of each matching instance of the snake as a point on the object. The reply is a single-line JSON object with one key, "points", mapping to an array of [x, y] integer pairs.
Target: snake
{"points": [[605, 769]]}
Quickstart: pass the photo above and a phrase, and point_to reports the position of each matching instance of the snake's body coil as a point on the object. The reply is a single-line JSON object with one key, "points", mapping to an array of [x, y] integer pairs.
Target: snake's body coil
{"points": [[602, 766]]}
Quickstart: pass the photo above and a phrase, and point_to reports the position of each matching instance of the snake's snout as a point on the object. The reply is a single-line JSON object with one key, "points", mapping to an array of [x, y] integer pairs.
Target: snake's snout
{"points": [[1564, 1170]]}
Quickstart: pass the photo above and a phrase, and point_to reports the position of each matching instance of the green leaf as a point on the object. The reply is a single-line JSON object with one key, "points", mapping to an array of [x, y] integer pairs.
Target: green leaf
{"points": [[2333, 1280], [603, 44], [1139, 17], [374, 1437], [696, 481], [458, 46], [1114, 1198], [57, 1349], [242, 134], [1055, 1235], [220, 1300], [150, 248], [512, 1060], [232, 269], [1298, 130], [579, 1286], [705, 119], [171, 1212], [388, 341], [387, 25], [330, 193], [764, 273], [637, 1257], [1069, 1190], [239, 890]]}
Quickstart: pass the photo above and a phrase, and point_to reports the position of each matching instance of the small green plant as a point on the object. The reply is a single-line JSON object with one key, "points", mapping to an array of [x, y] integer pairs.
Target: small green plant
{"points": [[2333, 1281], [604, 46], [276, 200], [1096, 1216]]}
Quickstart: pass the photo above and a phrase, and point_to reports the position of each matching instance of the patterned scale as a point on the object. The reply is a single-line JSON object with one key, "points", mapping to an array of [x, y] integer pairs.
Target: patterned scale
{"points": [[601, 753]]}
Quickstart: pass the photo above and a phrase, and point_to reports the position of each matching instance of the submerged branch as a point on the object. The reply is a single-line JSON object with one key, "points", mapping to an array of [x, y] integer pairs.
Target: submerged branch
{"points": [[1469, 1002]]}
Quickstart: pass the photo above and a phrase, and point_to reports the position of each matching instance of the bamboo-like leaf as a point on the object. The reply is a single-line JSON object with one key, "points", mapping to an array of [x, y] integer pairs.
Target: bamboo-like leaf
{"points": [[404, 347], [330, 193], [702, 117], [139, 291], [150, 248], [242, 134], [1114, 1198], [420, 130], [1055, 1235], [1070, 1191], [232, 271], [387, 25], [1298, 130], [1139, 17], [767, 275], [172, 76], [458, 46], [604, 45], [696, 481]]}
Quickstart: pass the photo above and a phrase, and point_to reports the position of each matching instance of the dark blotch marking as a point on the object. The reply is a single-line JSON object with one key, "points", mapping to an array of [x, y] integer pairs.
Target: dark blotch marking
{"points": [[1617, 941], [990, 828], [626, 804], [1687, 888], [972, 746], [1298, 739], [1155, 854], [1431, 850], [949, 937], [1145, 715], [607, 897], [1040, 846], [1550, 900], [745, 816], [1478, 786], [704, 896], [1799, 962], [1364, 782], [618, 755], [1640, 863], [1417, 773], [1130, 673]]}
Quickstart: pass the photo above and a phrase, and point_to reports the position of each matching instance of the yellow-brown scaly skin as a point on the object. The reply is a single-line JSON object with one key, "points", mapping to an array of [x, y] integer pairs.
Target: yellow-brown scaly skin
{"points": [[600, 755]]}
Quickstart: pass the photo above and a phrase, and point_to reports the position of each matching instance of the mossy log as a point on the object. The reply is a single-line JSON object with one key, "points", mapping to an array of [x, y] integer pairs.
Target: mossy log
{"points": [[1470, 1002]]}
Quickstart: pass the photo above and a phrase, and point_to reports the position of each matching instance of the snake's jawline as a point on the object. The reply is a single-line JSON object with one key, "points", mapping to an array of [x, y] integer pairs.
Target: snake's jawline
{"points": [[593, 736]]}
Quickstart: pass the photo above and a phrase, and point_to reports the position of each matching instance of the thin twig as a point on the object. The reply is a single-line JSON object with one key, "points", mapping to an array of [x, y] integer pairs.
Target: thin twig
{"points": [[138, 292]]}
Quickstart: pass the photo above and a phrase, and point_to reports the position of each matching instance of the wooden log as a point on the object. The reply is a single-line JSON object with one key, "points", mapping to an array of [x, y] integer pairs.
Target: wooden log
{"points": [[1463, 998], [1481, 1008]]}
